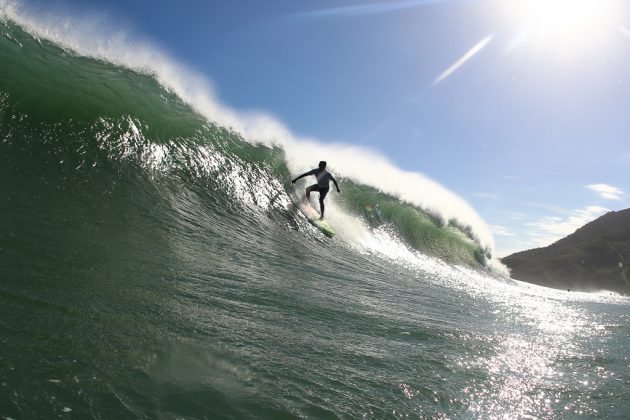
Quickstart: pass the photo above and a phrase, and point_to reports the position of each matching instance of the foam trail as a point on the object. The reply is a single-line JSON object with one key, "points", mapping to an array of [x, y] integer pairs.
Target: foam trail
{"points": [[89, 38]]}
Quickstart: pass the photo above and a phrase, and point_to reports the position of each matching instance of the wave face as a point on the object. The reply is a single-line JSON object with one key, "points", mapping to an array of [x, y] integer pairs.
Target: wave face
{"points": [[154, 265], [421, 230], [90, 118]]}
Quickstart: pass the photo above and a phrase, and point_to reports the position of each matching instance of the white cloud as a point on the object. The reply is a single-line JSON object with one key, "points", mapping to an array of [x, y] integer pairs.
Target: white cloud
{"points": [[606, 191], [501, 231], [543, 231], [514, 215], [549, 229]]}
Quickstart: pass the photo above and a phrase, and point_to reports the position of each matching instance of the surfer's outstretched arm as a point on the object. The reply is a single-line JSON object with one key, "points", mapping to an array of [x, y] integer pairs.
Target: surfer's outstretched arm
{"points": [[302, 176]]}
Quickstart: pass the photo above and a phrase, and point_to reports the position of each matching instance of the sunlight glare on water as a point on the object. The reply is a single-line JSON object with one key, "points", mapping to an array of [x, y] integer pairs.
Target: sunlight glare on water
{"points": [[535, 342]]}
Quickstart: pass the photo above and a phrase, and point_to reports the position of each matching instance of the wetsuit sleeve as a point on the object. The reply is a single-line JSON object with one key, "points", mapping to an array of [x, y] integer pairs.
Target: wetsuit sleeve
{"points": [[303, 175], [332, 178]]}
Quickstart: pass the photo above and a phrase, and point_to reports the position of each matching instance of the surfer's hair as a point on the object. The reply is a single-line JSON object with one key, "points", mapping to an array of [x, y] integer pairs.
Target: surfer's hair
{"points": [[322, 164]]}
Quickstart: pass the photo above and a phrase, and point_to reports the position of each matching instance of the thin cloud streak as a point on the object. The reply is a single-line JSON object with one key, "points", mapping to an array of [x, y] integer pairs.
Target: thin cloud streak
{"points": [[544, 230], [549, 229], [368, 9], [501, 230], [606, 191], [470, 54]]}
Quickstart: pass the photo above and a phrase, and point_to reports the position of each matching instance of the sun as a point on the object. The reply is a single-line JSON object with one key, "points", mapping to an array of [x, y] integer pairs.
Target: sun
{"points": [[569, 25], [560, 15]]}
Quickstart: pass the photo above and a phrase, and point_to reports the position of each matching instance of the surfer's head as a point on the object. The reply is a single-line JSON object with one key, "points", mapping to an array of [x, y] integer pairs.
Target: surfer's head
{"points": [[322, 164]]}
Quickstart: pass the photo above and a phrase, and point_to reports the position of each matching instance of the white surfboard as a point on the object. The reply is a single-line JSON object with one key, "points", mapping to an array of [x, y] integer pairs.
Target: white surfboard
{"points": [[313, 217]]}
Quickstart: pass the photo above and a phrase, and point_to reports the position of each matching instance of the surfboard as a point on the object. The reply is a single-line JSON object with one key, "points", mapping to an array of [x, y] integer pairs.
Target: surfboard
{"points": [[313, 217]]}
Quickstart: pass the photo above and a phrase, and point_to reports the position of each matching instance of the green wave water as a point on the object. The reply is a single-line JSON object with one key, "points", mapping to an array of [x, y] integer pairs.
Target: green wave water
{"points": [[122, 118], [420, 229], [154, 265]]}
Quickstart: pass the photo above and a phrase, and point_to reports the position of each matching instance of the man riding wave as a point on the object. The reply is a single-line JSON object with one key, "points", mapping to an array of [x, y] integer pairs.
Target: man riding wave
{"points": [[323, 184]]}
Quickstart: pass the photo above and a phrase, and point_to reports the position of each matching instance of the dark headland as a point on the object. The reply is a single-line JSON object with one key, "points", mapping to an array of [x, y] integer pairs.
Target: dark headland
{"points": [[595, 257]]}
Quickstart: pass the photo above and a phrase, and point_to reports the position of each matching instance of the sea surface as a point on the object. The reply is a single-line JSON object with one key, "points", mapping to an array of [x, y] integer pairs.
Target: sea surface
{"points": [[154, 264]]}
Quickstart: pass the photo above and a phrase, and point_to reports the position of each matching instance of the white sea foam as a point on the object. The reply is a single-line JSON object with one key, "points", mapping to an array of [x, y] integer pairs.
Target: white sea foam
{"points": [[95, 36]]}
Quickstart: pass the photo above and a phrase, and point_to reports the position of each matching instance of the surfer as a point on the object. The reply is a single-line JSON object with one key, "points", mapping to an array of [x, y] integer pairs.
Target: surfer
{"points": [[323, 184]]}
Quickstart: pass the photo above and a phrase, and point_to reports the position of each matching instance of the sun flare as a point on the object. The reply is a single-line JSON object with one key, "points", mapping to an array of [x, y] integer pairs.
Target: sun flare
{"points": [[572, 25], [562, 15]]}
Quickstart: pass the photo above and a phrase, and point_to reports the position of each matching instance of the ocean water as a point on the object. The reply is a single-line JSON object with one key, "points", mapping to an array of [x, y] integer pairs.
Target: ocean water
{"points": [[153, 264]]}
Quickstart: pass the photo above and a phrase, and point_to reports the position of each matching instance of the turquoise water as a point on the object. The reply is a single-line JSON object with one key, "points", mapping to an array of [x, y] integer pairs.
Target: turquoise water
{"points": [[153, 265]]}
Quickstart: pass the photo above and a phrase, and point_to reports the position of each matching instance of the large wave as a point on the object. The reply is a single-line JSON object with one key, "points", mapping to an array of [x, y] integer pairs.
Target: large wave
{"points": [[88, 101]]}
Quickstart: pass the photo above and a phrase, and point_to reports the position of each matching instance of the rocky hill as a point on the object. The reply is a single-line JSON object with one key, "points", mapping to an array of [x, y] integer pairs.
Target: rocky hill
{"points": [[595, 257]]}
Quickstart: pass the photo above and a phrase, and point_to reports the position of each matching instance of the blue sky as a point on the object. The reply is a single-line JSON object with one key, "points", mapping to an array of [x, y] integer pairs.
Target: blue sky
{"points": [[518, 106]]}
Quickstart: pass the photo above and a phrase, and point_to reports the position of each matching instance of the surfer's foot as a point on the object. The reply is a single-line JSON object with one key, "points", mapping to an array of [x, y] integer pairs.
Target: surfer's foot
{"points": [[321, 218]]}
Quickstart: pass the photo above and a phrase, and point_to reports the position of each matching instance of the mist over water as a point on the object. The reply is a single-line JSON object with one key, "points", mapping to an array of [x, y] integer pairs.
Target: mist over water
{"points": [[154, 264]]}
